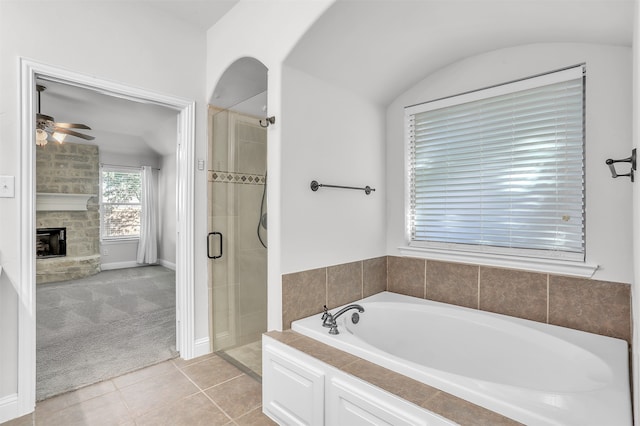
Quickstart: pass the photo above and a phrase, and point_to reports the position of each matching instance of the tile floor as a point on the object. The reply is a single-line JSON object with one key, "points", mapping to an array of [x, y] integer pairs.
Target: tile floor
{"points": [[249, 355], [203, 391]]}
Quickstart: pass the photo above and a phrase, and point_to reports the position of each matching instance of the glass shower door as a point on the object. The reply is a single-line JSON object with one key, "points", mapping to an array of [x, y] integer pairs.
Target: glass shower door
{"points": [[238, 236]]}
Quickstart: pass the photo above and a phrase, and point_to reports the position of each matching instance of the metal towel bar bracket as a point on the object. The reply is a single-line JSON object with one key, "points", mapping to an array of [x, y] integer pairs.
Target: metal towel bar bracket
{"points": [[631, 159], [315, 185]]}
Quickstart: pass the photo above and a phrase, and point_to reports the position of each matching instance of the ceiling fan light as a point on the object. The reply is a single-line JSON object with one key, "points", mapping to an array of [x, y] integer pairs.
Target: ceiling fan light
{"points": [[41, 137], [59, 136]]}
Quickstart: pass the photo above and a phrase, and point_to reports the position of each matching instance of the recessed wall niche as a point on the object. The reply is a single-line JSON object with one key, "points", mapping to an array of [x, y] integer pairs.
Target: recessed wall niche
{"points": [[70, 169]]}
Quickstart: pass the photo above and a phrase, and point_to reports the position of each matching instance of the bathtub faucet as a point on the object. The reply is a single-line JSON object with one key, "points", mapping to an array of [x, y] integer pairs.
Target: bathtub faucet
{"points": [[329, 319]]}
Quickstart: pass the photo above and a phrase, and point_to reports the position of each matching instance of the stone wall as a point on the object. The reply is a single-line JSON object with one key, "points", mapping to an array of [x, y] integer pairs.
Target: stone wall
{"points": [[70, 169]]}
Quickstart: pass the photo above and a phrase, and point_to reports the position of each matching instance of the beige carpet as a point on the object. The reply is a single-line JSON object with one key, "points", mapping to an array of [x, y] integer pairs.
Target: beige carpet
{"points": [[100, 327]]}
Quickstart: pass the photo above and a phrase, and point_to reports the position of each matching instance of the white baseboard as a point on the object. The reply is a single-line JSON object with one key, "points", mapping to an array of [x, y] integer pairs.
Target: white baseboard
{"points": [[167, 264], [9, 407], [202, 347], [119, 265], [134, 264]]}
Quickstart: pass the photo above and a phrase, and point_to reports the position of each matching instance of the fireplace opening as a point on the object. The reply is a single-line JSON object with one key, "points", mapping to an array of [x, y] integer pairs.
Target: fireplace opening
{"points": [[51, 242]]}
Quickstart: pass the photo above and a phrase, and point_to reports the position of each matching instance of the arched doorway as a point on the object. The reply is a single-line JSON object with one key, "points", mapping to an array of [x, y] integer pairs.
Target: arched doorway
{"points": [[237, 213]]}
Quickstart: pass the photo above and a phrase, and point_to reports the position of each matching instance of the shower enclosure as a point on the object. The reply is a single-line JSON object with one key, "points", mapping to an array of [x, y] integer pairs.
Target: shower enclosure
{"points": [[237, 240]]}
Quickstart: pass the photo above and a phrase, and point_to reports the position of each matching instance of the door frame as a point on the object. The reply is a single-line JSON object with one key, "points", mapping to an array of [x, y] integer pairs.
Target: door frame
{"points": [[185, 149]]}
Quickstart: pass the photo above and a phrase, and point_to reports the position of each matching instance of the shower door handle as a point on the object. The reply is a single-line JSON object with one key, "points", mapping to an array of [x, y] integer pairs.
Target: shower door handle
{"points": [[219, 234]]}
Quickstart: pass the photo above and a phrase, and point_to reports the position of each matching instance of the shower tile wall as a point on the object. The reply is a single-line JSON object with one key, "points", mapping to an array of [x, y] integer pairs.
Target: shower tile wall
{"points": [[595, 306], [237, 281], [252, 147]]}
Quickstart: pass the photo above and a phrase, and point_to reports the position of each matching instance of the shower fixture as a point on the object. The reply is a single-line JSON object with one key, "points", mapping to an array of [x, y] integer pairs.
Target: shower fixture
{"points": [[262, 219]]}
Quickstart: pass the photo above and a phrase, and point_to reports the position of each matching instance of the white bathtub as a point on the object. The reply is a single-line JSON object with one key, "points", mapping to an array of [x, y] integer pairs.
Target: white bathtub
{"points": [[531, 372]]}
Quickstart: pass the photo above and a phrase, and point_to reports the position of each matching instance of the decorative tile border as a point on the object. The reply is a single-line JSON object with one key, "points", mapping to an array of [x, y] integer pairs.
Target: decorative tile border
{"points": [[233, 177]]}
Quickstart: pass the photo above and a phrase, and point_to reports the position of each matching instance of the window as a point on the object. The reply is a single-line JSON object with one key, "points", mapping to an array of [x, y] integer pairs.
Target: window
{"points": [[500, 170], [121, 192]]}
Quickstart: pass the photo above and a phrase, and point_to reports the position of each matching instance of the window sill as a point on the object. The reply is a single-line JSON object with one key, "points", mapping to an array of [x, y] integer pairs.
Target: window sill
{"points": [[547, 266], [120, 240]]}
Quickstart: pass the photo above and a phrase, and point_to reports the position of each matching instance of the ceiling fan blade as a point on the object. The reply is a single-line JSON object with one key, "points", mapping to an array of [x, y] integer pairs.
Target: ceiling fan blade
{"points": [[76, 134], [72, 126], [42, 117]]}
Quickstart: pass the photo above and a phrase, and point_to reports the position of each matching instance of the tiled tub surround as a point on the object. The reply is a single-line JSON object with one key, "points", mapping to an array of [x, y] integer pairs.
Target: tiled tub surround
{"points": [[305, 293], [526, 370], [594, 306], [420, 394], [70, 169]]}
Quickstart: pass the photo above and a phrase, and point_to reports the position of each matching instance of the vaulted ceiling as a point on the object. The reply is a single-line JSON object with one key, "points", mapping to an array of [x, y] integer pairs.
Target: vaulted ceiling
{"points": [[378, 49]]}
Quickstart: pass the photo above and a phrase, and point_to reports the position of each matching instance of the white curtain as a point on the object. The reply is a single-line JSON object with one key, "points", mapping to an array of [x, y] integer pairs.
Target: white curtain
{"points": [[148, 245]]}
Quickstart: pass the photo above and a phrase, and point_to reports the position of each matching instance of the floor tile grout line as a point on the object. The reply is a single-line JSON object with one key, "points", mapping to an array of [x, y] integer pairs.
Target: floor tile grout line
{"points": [[145, 378], [213, 386], [218, 406], [225, 381], [67, 405], [250, 410], [208, 357], [124, 401], [135, 416], [207, 396]]}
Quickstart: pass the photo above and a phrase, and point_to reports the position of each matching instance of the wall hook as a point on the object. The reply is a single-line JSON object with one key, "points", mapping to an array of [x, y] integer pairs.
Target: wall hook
{"points": [[631, 159], [268, 121]]}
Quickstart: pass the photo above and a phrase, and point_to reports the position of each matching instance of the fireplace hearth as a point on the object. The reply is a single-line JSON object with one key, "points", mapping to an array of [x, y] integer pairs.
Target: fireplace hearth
{"points": [[51, 242]]}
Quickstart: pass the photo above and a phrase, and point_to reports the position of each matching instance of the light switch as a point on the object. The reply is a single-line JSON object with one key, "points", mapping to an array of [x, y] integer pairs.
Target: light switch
{"points": [[7, 186]]}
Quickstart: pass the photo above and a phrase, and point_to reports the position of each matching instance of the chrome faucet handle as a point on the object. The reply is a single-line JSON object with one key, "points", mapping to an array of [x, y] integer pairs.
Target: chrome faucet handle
{"points": [[330, 321], [327, 318]]}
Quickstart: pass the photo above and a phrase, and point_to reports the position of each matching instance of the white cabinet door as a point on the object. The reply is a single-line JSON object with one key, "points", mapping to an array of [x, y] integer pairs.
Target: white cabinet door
{"points": [[351, 402], [293, 389]]}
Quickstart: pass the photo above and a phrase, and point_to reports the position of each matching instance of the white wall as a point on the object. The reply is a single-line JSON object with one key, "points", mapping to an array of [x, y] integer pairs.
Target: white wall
{"points": [[608, 135], [265, 31], [336, 138], [149, 158], [116, 41]]}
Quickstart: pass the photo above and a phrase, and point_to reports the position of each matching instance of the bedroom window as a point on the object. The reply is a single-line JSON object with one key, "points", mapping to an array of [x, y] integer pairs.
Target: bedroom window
{"points": [[500, 170], [120, 202]]}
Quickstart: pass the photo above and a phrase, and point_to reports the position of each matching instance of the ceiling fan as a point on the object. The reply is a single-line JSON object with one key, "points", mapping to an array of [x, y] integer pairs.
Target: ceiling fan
{"points": [[47, 129]]}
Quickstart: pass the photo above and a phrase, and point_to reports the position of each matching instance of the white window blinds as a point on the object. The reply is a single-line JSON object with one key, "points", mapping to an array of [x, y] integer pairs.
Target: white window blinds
{"points": [[501, 169]]}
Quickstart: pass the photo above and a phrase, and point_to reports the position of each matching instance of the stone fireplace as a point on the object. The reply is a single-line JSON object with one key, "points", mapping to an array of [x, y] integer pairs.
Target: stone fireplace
{"points": [[51, 242], [67, 184]]}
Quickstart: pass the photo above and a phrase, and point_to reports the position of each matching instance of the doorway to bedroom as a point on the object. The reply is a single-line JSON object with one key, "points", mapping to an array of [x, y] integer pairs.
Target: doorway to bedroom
{"points": [[105, 239]]}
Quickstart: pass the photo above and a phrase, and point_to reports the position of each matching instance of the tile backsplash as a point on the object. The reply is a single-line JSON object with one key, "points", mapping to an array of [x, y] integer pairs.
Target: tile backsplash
{"points": [[600, 307], [304, 293]]}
